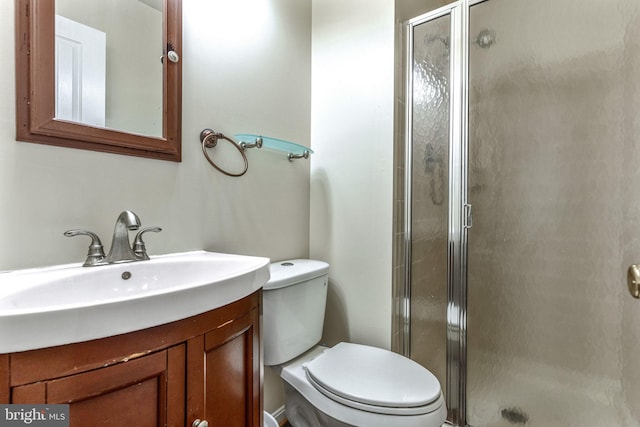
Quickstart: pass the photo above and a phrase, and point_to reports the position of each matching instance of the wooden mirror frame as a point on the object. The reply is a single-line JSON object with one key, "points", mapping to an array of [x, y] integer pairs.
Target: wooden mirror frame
{"points": [[35, 91]]}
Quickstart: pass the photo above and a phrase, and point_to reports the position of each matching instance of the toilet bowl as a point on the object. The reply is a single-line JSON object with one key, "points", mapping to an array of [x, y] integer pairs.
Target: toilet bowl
{"points": [[345, 385], [269, 421], [355, 385]]}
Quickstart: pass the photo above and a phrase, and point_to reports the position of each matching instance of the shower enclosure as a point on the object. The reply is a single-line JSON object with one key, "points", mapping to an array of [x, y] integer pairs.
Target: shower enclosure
{"points": [[521, 210]]}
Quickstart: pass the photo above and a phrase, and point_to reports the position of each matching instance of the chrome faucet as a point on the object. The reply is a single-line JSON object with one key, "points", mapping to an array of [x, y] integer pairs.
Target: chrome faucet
{"points": [[121, 248], [95, 256], [139, 247]]}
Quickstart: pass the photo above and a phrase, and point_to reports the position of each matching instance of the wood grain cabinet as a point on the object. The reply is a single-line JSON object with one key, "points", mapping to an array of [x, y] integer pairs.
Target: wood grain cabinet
{"points": [[205, 367]]}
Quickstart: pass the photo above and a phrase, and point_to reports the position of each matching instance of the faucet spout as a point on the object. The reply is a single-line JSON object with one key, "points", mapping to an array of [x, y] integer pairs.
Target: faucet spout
{"points": [[121, 250]]}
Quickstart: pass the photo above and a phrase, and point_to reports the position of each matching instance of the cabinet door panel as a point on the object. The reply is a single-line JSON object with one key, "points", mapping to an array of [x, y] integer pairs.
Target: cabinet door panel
{"points": [[233, 373], [228, 385], [145, 392], [31, 393], [134, 405], [107, 380], [4, 378], [228, 360]]}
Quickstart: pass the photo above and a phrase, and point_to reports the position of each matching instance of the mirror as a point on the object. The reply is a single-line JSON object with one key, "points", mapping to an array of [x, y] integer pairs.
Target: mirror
{"points": [[131, 101], [107, 67]]}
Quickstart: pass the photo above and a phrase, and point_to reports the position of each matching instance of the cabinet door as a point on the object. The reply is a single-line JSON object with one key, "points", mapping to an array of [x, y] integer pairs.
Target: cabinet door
{"points": [[223, 375], [146, 392]]}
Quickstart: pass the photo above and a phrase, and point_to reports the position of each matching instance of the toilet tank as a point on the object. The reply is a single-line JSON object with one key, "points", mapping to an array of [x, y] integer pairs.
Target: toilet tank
{"points": [[294, 300]]}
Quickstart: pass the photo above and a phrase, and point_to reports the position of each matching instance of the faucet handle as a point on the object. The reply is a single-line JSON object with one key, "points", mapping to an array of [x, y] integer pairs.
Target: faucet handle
{"points": [[95, 255], [138, 244]]}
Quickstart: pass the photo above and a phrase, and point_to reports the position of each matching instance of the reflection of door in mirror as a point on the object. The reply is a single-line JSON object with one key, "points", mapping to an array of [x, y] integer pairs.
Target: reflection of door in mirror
{"points": [[143, 94], [80, 72], [134, 45]]}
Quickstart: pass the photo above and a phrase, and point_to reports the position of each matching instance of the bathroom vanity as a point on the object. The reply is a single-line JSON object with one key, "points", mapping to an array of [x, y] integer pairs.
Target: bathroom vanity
{"points": [[204, 367]]}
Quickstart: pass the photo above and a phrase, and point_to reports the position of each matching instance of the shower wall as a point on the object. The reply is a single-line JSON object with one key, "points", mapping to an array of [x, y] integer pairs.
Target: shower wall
{"points": [[553, 150]]}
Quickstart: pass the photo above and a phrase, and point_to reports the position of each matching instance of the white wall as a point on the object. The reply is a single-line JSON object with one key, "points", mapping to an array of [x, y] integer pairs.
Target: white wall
{"points": [[352, 170]]}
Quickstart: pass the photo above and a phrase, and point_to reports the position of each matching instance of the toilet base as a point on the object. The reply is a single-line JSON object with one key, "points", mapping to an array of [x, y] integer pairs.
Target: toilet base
{"points": [[302, 414]]}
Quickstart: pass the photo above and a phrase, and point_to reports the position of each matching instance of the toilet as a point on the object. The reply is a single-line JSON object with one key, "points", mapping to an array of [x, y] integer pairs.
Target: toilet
{"points": [[345, 385], [269, 421]]}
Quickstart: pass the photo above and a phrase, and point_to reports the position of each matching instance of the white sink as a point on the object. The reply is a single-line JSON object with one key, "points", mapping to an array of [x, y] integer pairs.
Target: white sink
{"points": [[51, 306]]}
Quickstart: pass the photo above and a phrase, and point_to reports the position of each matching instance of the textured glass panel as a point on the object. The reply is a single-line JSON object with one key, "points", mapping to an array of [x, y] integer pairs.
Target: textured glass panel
{"points": [[553, 151], [429, 198]]}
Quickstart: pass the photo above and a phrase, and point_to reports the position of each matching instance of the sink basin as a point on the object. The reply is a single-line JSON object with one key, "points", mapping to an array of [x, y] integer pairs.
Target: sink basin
{"points": [[45, 307]]}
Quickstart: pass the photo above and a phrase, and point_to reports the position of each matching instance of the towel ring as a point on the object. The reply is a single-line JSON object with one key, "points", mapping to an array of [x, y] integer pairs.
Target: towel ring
{"points": [[209, 139]]}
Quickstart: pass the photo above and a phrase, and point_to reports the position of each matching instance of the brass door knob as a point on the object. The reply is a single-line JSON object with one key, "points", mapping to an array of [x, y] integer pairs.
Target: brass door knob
{"points": [[633, 280]]}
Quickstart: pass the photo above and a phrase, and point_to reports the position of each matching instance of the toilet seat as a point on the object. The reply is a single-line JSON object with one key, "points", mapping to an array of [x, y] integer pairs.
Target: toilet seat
{"points": [[374, 380], [304, 400]]}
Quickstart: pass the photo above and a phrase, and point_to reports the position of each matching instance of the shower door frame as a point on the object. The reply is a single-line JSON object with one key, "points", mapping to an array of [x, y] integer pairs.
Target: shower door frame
{"points": [[459, 210]]}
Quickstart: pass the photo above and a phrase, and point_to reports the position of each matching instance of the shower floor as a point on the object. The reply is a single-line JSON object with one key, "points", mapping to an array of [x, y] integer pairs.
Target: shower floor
{"points": [[536, 395]]}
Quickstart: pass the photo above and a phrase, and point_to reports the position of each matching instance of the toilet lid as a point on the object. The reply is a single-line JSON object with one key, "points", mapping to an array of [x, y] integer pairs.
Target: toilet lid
{"points": [[373, 376]]}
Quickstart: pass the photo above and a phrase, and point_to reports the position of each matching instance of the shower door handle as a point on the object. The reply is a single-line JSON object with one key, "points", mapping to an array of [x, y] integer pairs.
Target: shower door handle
{"points": [[468, 216], [633, 280]]}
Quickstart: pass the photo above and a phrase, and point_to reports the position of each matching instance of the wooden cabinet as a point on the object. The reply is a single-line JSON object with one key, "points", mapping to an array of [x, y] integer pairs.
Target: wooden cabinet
{"points": [[225, 400], [205, 367], [128, 393]]}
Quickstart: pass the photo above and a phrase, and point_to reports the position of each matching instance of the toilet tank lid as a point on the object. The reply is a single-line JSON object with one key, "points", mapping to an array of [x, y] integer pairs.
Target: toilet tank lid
{"points": [[289, 272]]}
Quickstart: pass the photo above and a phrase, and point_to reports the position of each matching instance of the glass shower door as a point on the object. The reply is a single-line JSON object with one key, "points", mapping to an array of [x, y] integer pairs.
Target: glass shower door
{"points": [[554, 146], [428, 184]]}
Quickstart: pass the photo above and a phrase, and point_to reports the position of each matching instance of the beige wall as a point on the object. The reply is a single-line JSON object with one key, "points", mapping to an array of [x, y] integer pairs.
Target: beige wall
{"points": [[407, 9], [256, 87], [244, 70], [351, 174]]}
